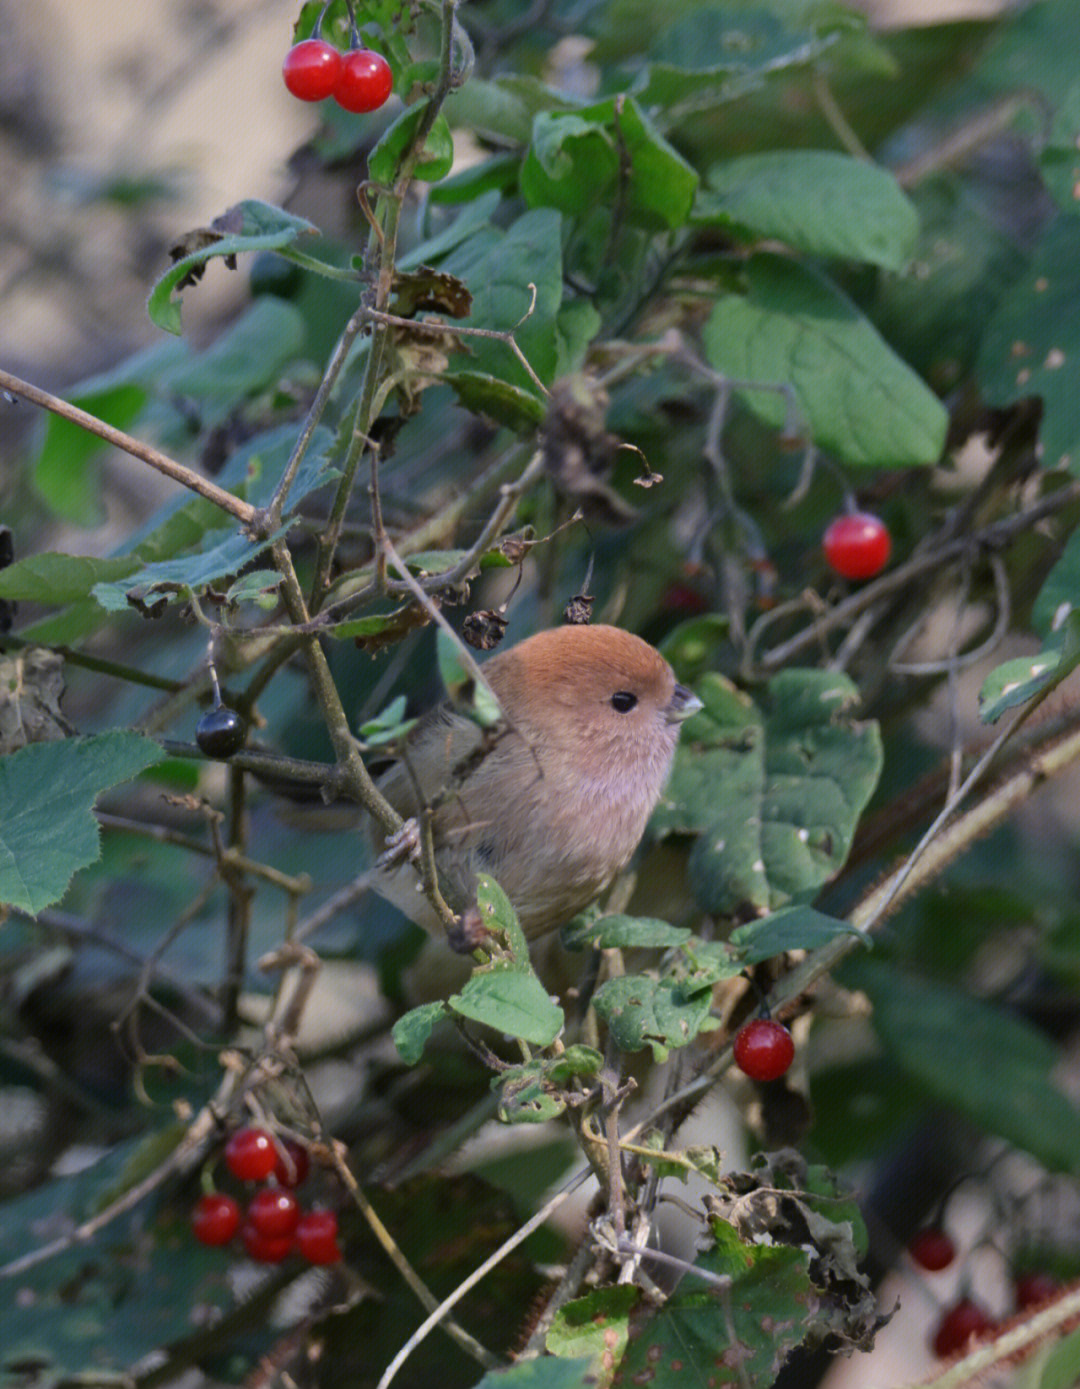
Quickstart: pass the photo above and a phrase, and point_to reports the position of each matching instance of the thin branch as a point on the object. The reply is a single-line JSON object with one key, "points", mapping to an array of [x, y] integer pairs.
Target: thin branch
{"points": [[507, 1247], [243, 511]]}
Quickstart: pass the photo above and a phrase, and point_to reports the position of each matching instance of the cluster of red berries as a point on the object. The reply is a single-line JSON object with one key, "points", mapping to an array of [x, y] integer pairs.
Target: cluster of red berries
{"points": [[763, 1049], [274, 1224], [359, 80], [964, 1320]]}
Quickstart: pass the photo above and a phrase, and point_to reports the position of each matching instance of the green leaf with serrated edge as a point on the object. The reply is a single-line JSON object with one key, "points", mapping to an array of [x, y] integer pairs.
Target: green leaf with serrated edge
{"points": [[436, 158], [623, 932], [861, 401], [511, 1001], [976, 1058], [577, 158], [261, 227], [497, 914], [770, 1307], [659, 1013], [467, 694], [412, 1030], [595, 1326], [506, 404], [192, 571], [543, 1373], [1016, 682], [791, 928], [47, 828], [772, 791], [819, 202], [1032, 342]]}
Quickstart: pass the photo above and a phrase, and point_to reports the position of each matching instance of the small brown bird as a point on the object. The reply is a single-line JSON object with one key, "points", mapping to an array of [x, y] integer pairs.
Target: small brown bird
{"points": [[558, 804]]}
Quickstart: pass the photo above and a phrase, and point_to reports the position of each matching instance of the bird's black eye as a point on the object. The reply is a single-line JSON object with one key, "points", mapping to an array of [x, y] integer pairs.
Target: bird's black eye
{"points": [[623, 701]]}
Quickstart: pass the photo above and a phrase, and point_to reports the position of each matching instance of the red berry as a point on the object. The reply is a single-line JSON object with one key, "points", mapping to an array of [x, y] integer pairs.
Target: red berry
{"points": [[1034, 1288], [958, 1325], [265, 1249], [292, 1165], [311, 69], [273, 1212], [250, 1155], [365, 81], [857, 546], [932, 1249], [316, 1237], [764, 1049], [215, 1219]]}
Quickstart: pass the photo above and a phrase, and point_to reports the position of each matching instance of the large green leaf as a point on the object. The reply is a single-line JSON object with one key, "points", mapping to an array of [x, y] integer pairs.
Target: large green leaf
{"points": [[47, 826], [768, 1309], [511, 1001], [976, 1058], [60, 578], [1032, 343], [816, 201], [607, 153], [498, 269], [861, 401], [774, 791], [659, 1013]]}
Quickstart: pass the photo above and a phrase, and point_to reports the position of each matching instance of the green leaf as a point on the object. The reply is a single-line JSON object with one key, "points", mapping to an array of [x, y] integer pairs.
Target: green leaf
{"points": [[58, 578], [815, 201], [773, 791], [467, 694], [624, 932], [412, 1030], [592, 154], [436, 158], [1062, 1367], [542, 1374], [524, 1098], [770, 1308], [510, 1001], [249, 356], [791, 928], [658, 1013], [497, 914], [715, 54], [47, 826], [499, 269], [1060, 157], [862, 402], [251, 226], [1032, 343], [1017, 681], [501, 109], [691, 648], [595, 1326], [501, 401], [192, 572], [986, 1063], [63, 477]]}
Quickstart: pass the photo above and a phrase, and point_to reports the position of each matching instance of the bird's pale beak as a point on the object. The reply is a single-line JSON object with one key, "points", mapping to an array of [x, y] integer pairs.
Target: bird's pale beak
{"points": [[682, 704]]}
